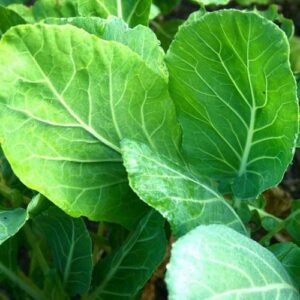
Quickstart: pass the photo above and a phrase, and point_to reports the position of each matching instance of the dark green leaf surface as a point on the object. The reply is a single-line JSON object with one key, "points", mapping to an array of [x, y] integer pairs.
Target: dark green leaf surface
{"points": [[133, 12], [11, 221], [66, 116], [182, 198], [236, 98], [124, 273], [71, 246], [289, 255], [215, 262], [9, 18]]}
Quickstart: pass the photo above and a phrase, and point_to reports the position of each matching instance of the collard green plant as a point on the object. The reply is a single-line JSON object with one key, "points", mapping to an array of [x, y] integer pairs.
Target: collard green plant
{"points": [[106, 136]]}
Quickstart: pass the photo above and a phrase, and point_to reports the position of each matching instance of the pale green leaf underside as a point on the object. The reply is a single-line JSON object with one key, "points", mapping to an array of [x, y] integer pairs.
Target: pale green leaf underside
{"points": [[124, 273], [236, 98], [67, 100], [11, 221], [183, 199], [71, 246], [133, 12], [215, 262], [140, 39]]}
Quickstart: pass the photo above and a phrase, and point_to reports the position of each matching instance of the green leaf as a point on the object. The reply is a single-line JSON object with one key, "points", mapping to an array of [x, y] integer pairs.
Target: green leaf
{"points": [[166, 6], [236, 99], [52, 8], [289, 255], [11, 221], [9, 2], [216, 262], [133, 12], [124, 273], [24, 11], [293, 224], [68, 116], [140, 39], [71, 246], [166, 30], [184, 199], [295, 53], [9, 18], [212, 2], [248, 2]]}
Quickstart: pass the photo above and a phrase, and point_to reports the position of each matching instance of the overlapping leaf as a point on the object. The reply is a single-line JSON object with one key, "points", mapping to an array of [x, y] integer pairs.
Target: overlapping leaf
{"points": [[215, 262], [133, 12], [185, 200], [236, 98], [71, 246], [62, 118], [139, 39], [123, 274], [9, 18]]}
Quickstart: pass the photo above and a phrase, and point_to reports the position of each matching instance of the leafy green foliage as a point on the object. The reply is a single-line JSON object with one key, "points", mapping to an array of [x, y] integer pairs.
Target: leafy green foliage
{"points": [[289, 255], [91, 180], [97, 118], [182, 198], [133, 12], [228, 85], [71, 246], [132, 264], [223, 264]]}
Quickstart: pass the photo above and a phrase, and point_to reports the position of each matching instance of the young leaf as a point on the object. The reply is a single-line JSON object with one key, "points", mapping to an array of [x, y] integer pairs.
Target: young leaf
{"points": [[71, 246], [140, 39], [9, 18], [133, 12], [124, 273], [289, 255], [61, 122], [52, 8], [216, 262], [185, 200], [236, 98], [11, 221]]}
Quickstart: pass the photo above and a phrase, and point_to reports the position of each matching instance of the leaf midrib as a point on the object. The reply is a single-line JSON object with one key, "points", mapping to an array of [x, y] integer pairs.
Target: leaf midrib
{"points": [[62, 101]]}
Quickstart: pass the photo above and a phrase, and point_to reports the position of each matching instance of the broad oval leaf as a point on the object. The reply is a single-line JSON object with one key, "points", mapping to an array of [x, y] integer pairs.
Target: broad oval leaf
{"points": [[71, 245], [133, 12], [215, 262], [11, 221], [124, 273], [62, 119], [236, 97], [139, 39], [185, 200]]}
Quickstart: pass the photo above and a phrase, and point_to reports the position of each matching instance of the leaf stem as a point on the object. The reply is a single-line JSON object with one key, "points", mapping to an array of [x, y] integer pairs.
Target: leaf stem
{"points": [[34, 292]]}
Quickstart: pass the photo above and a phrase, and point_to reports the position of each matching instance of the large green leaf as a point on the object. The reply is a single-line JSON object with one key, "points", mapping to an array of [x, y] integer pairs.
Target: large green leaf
{"points": [[139, 39], [9, 18], [236, 99], [215, 262], [133, 12], [184, 199], [71, 246], [62, 119], [124, 273], [11, 221]]}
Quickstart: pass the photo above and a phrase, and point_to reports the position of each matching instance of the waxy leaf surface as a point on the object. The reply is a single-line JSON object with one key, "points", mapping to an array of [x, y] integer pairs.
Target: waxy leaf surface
{"points": [[183, 199], [215, 262], [62, 118], [236, 97], [133, 263]]}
